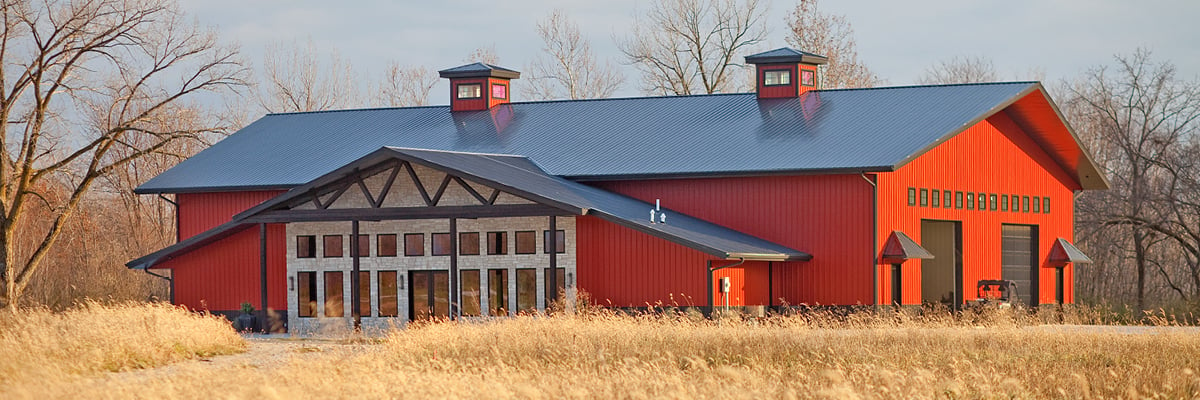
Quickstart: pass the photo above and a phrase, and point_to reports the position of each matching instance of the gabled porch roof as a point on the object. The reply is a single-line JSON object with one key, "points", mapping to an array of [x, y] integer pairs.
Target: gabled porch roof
{"points": [[516, 175]]}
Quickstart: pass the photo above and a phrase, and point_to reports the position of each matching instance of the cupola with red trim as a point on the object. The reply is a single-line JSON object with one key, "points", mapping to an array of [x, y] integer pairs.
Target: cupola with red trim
{"points": [[785, 72], [478, 86]]}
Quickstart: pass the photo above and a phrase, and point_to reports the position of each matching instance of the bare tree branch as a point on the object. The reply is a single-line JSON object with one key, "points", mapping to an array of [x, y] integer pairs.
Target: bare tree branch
{"points": [[687, 47]]}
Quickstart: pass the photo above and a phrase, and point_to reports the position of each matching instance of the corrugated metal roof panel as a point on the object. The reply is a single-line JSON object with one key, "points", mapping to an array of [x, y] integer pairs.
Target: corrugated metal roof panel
{"points": [[521, 176], [686, 135]]}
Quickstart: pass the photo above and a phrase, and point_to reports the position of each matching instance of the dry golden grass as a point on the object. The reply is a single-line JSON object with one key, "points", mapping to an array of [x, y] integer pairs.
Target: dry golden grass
{"points": [[606, 355], [39, 347]]}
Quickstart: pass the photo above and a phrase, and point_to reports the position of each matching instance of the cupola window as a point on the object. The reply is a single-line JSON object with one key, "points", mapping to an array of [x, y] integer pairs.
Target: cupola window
{"points": [[808, 78], [499, 91], [778, 77], [471, 91]]}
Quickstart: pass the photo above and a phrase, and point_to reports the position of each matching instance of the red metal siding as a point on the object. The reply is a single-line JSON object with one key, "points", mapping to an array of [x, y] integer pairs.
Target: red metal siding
{"points": [[782, 91], [492, 102], [199, 212], [480, 103], [222, 275], [994, 156], [828, 216]]}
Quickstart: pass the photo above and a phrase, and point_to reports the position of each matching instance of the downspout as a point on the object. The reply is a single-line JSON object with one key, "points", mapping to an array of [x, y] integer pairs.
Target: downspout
{"points": [[170, 280], [170, 284], [711, 269], [174, 206], [874, 237]]}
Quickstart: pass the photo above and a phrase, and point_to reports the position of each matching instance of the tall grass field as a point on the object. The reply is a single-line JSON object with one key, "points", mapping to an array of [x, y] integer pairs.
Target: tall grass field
{"points": [[601, 354]]}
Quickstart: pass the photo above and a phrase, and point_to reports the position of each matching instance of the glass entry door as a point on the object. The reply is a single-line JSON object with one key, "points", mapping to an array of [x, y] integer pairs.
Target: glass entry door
{"points": [[429, 296]]}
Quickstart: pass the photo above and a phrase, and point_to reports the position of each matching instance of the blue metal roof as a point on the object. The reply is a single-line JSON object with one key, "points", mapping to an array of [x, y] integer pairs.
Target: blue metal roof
{"points": [[520, 176], [785, 54], [479, 70], [732, 134]]}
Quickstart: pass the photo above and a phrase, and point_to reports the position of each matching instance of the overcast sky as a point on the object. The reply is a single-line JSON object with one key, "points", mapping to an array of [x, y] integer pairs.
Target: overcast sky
{"points": [[896, 39]]}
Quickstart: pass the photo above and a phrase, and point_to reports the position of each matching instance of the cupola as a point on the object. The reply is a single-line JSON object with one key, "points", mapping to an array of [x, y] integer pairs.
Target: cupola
{"points": [[478, 86], [785, 72]]}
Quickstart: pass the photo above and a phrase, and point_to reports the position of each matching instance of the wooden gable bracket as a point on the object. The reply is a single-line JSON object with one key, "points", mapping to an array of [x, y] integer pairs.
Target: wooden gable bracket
{"points": [[417, 181], [387, 185], [492, 199]]}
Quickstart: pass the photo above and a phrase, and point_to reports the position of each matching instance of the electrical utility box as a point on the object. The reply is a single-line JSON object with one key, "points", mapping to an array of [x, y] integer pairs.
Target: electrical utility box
{"points": [[725, 285]]}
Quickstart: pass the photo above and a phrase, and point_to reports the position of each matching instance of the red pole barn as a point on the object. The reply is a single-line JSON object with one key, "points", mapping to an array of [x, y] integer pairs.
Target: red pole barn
{"points": [[790, 195]]}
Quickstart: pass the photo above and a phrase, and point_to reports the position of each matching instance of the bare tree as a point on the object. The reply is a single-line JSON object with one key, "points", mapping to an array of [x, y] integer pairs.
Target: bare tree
{"points": [[831, 36], [120, 65], [486, 55], [406, 86], [568, 69], [686, 47], [1141, 120], [961, 69], [299, 78]]}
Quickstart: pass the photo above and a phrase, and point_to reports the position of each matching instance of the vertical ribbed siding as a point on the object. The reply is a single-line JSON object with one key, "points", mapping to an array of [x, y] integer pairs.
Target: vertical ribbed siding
{"points": [[222, 275], [199, 212], [994, 156], [828, 216]]}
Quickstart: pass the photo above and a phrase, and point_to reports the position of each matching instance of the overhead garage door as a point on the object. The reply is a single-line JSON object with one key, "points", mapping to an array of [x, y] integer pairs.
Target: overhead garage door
{"points": [[1018, 249]]}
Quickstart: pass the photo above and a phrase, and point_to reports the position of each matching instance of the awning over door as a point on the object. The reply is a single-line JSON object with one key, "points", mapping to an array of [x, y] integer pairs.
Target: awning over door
{"points": [[899, 248], [1065, 252]]}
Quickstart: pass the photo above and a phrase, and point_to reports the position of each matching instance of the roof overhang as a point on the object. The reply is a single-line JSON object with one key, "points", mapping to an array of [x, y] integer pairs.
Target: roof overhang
{"points": [[1034, 111], [551, 195]]}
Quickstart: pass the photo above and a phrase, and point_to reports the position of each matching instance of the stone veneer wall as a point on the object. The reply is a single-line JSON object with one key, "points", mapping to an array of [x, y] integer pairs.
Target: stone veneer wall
{"points": [[402, 264]]}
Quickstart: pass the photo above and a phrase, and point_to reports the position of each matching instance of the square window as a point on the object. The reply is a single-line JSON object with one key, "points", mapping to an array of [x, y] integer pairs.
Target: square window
{"points": [[1025, 204], [469, 91], [497, 243], [364, 246], [333, 246], [934, 197], [808, 77], [992, 201], [499, 91], [560, 241], [468, 243], [526, 242], [414, 244], [912, 196], [385, 245], [924, 197], [441, 244], [306, 246], [1046, 205], [1004, 202], [1037, 204], [970, 201], [946, 199], [958, 200], [777, 77]]}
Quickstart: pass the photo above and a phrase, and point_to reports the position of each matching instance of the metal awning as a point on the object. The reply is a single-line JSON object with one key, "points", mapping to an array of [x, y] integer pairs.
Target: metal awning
{"points": [[899, 248], [1065, 252]]}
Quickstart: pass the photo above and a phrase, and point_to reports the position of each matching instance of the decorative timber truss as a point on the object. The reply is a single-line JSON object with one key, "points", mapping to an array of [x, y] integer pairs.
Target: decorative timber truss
{"points": [[379, 183]]}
